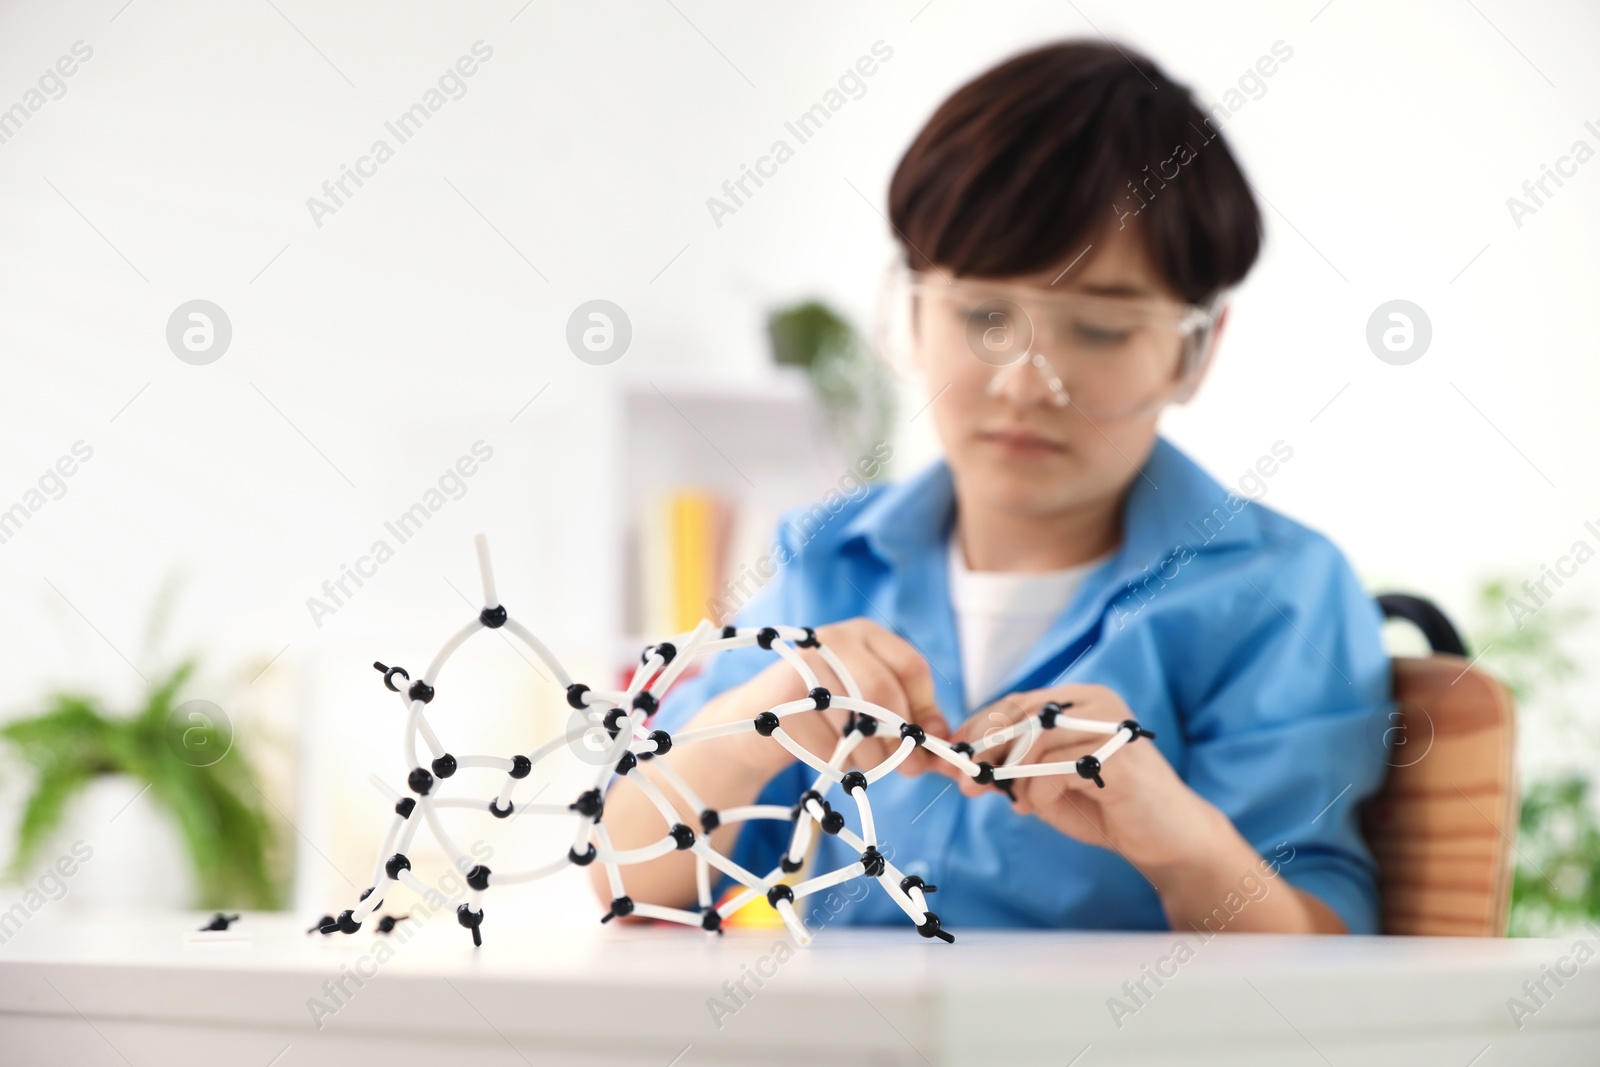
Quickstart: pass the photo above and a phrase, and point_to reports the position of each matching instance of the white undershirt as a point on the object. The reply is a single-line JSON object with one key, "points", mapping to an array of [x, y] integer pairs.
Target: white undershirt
{"points": [[1001, 615]]}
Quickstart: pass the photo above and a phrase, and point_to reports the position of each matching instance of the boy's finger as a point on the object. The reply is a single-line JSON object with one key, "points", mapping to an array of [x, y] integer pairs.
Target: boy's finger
{"points": [[818, 726], [901, 682], [929, 762], [914, 676], [980, 721], [1003, 715], [882, 687], [922, 759]]}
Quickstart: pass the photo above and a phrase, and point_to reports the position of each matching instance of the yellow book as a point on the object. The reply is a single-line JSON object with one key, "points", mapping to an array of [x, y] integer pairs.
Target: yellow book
{"points": [[696, 522], [685, 523]]}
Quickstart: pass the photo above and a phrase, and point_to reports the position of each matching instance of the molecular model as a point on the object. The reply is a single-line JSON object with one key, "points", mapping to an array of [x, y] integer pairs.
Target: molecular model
{"points": [[627, 741]]}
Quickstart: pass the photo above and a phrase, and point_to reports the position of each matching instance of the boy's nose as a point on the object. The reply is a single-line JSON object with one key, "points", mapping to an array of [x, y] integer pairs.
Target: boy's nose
{"points": [[1028, 381]]}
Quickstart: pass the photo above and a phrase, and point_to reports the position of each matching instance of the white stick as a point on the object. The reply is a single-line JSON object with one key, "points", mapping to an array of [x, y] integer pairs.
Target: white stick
{"points": [[802, 936], [753, 811], [1088, 726], [538, 647], [897, 757], [675, 915], [803, 754], [449, 649], [490, 598], [829, 880], [1105, 751]]}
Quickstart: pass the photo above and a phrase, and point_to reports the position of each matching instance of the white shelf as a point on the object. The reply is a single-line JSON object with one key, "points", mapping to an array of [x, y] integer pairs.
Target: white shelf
{"points": [[762, 444]]}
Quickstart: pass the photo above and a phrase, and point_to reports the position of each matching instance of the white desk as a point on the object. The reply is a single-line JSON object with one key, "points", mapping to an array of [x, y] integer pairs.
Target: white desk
{"points": [[98, 990]]}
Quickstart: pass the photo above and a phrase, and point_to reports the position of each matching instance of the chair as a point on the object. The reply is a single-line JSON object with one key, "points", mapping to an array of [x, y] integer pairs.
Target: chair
{"points": [[1443, 827]]}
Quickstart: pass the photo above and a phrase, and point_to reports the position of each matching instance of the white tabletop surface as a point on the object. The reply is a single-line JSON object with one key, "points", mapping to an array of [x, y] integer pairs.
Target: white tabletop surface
{"points": [[99, 988]]}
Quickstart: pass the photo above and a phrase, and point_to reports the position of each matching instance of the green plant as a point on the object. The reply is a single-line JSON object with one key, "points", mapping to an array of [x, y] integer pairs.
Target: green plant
{"points": [[849, 380], [1557, 881], [1526, 653], [219, 808], [1556, 885]]}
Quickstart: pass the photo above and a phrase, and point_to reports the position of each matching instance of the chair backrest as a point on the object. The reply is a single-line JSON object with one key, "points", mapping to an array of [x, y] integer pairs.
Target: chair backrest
{"points": [[1443, 826]]}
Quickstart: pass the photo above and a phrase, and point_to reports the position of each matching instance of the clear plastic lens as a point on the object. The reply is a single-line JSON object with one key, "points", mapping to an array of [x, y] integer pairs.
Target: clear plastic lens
{"points": [[1106, 356]]}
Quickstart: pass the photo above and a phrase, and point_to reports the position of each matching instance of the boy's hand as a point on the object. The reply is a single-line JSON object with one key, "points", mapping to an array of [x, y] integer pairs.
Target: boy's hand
{"points": [[1146, 812], [890, 672]]}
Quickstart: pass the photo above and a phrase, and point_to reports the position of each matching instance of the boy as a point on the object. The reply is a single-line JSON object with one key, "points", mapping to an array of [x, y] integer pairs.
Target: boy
{"points": [[1070, 221]]}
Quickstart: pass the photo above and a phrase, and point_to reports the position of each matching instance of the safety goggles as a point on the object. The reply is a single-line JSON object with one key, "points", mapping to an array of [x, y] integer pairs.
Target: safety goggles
{"points": [[1107, 356]]}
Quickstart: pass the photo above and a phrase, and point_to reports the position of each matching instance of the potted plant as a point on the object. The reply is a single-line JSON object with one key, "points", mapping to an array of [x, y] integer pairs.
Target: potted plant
{"points": [[849, 381], [192, 769]]}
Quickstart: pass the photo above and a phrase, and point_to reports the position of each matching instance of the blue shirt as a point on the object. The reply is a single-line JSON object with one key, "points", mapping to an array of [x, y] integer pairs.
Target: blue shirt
{"points": [[1242, 638]]}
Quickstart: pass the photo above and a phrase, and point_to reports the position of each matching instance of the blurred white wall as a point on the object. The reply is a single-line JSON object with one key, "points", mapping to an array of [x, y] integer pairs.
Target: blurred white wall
{"points": [[371, 351]]}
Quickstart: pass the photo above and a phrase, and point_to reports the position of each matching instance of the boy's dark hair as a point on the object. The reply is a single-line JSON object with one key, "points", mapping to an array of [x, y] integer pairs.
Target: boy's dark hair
{"points": [[1021, 168]]}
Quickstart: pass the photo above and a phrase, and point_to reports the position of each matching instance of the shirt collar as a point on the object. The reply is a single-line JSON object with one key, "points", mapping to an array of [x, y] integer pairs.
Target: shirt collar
{"points": [[1172, 502], [906, 525]]}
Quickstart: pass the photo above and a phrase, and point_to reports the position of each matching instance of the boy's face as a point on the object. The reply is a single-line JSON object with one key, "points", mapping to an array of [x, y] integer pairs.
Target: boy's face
{"points": [[1011, 441]]}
